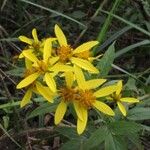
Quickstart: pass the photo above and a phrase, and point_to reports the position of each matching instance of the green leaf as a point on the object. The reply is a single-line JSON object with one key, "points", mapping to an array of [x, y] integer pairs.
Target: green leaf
{"points": [[124, 127], [111, 38], [74, 144], [127, 22], [69, 132], [96, 138], [16, 72], [42, 109], [105, 62], [135, 141], [139, 113], [115, 143], [131, 47], [131, 84], [108, 20]]}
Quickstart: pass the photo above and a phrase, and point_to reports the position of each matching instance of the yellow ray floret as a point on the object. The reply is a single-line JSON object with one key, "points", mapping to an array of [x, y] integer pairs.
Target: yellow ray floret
{"points": [[117, 97], [26, 98], [78, 56]]}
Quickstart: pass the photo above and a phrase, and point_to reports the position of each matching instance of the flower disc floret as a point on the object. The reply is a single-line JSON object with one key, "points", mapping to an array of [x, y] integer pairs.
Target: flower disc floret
{"points": [[86, 98], [64, 53], [67, 94]]}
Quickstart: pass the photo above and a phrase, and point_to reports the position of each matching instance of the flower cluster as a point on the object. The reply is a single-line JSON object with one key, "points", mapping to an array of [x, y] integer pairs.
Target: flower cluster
{"points": [[53, 57]]}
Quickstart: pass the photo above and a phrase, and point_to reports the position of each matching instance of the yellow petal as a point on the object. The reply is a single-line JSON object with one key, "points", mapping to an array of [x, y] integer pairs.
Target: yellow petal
{"points": [[34, 34], [50, 82], [60, 36], [28, 80], [79, 76], [28, 54], [105, 91], [26, 40], [28, 63], [53, 60], [84, 64], [79, 110], [61, 68], [26, 98], [21, 56], [45, 92], [60, 112], [92, 84], [27, 50], [81, 124], [103, 108], [129, 100], [85, 46], [122, 108], [110, 98], [119, 87], [69, 77], [47, 49]]}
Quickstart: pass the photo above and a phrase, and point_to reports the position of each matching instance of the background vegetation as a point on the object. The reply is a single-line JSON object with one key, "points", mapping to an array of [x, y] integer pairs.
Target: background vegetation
{"points": [[125, 22]]}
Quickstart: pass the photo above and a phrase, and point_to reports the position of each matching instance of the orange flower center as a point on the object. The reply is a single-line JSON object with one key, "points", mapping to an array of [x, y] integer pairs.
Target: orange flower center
{"points": [[29, 72], [42, 66], [36, 46], [68, 94], [86, 98], [64, 53]]}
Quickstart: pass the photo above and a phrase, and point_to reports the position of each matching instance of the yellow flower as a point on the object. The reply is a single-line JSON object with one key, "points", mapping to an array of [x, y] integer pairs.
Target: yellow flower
{"points": [[79, 56], [83, 97], [117, 97], [88, 98], [34, 46], [67, 95], [39, 67], [27, 97], [37, 88], [43, 67]]}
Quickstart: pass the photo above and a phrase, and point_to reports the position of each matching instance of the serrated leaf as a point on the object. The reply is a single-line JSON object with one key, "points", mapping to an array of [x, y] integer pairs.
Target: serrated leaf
{"points": [[42, 109], [124, 127], [139, 113], [74, 144], [105, 62], [96, 138]]}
